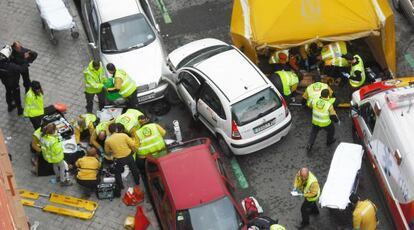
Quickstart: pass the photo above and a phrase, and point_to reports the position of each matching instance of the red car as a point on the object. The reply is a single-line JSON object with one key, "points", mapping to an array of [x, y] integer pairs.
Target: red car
{"points": [[190, 190]]}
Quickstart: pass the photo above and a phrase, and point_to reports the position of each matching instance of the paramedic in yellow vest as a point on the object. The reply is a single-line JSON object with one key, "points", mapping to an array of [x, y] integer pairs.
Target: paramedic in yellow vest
{"points": [[313, 91], [124, 84], [94, 82], [85, 126], [308, 54], [98, 137], [88, 169], [33, 104], [151, 141], [307, 184], [52, 151], [129, 120], [322, 115], [333, 57], [356, 76], [364, 216], [286, 83]]}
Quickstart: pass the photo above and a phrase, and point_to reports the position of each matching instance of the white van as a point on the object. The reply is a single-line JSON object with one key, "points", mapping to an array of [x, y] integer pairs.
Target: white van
{"points": [[225, 91]]}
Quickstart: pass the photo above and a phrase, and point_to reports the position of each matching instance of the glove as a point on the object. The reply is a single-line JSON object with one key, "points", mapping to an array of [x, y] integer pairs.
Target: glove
{"points": [[346, 75]]}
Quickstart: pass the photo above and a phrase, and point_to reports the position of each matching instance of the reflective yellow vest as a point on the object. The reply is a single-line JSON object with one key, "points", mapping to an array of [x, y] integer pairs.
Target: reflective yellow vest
{"points": [[94, 79], [128, 85], [38, 133], [87, 118], [52, 148], [275, 56], [320, 112], [311, 179], [151, 141], [337, 61], [102, 126], [288, 79], [129, 119], [357, 67], [314, 92], [33, 105], [332, 50], [277, 227]]}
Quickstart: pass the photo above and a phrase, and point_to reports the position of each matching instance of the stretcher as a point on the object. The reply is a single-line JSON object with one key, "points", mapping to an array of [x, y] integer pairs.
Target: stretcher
{"points": [[343, 176], [84, 209], [55, 16]]}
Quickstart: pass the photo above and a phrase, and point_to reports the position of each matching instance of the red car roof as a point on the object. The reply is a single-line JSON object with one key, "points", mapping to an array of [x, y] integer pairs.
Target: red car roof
{"points": [[192, 177]]}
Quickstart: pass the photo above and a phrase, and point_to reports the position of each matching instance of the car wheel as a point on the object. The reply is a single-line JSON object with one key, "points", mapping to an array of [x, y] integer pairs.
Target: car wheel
{"points": [[172, 96], [397, 5], [224, 148]]}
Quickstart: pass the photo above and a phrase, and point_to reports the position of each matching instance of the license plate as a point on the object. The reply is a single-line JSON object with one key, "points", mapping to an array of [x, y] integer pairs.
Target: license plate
{"points": [[146, 97], [264, 126]]}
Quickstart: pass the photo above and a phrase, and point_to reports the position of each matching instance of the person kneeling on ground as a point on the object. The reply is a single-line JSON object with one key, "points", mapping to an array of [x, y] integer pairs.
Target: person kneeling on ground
{"points": [[88, 170]]}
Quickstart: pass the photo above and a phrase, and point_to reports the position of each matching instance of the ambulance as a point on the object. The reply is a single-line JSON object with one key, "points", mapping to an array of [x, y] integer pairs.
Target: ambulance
{"points": [[383, 122]]}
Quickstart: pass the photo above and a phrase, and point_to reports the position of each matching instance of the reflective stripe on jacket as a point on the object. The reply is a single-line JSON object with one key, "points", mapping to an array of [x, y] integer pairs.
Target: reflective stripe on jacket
{"points": [[320, 112], [52, 148], [275, 56], [151, 141], [332, 50], [129, 119], [128, 85], [288, 79], [337, 61], [33, 105], [357, 67]]}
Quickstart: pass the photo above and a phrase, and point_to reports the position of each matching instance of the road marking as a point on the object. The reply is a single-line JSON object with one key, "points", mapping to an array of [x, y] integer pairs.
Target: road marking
{"points": [[410, 60], [164, 12], [238, 174]]}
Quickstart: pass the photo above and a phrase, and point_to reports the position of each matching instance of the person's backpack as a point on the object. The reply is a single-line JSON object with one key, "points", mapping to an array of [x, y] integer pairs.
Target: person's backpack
{"points": [[250, 207]]}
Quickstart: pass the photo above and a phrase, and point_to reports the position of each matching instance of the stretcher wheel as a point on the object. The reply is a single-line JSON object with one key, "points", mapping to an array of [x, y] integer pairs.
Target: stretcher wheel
{"points": [[74, 34]]}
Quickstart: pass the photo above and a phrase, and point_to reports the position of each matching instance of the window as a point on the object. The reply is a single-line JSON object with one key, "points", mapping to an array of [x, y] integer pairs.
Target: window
{"points": [[368, 115], [213, 101], [94, 22], [190, 83]]}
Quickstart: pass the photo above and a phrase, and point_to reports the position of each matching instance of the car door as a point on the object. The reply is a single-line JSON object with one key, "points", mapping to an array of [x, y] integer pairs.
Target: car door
{"points": [[367, 122], [158, 194], [210, 109], [188, 87]]}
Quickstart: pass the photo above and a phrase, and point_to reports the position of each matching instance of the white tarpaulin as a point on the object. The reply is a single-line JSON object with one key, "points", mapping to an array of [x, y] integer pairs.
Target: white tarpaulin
{"points": [[341, 177], [55, 14]]}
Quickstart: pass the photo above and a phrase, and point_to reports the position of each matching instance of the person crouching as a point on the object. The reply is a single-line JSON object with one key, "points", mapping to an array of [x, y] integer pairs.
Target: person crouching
{"points": [[88, 170]]}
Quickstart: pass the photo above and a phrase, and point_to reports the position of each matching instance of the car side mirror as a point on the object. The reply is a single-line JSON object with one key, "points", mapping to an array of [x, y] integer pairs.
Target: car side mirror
{"points": [[355, 112]]}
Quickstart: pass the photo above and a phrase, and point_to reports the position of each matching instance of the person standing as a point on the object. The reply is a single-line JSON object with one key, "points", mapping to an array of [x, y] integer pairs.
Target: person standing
{"points": [[52, 151], [124, 84], [23, 57], [151, 141], [322, 115], [94, 84], [33, 104], [88, 169], [364, 216], [121, 147], [307, 184]]}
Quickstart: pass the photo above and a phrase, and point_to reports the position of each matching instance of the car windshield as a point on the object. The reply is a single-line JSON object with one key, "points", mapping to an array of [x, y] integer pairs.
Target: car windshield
{"points": [[126, 33], [217, 215], [256, 106]]}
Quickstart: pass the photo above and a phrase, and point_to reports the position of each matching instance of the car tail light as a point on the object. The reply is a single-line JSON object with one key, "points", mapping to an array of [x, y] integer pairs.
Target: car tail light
{"points": [[235, 134], [285, 106]]}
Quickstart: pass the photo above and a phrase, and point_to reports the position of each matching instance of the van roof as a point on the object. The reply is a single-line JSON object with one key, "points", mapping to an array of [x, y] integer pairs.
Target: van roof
{"points": [[110, 9], [232, 74]]}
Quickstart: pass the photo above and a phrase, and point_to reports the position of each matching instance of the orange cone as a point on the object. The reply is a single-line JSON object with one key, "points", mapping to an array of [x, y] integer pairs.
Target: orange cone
{"points": [[141, 221]]}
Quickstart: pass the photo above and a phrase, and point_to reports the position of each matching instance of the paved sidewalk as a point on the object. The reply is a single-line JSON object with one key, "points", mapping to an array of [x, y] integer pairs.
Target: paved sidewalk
{"points": [[59, 69]]}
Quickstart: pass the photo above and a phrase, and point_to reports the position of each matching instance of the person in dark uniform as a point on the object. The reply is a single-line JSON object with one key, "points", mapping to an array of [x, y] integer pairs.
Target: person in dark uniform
{"points": [[23, 57]]}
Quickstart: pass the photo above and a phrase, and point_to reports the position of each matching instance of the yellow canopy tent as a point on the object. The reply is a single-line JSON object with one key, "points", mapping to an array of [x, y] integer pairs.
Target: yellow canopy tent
{"points": [[259, 24]]}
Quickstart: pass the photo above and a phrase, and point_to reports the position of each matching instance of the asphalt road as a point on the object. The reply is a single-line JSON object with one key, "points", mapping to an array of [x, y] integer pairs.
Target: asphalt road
{"points": [[270, 172]]}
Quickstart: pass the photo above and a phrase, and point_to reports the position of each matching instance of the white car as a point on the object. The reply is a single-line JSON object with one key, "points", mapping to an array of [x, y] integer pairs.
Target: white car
{"points": [[225, 91], [125, 33]]}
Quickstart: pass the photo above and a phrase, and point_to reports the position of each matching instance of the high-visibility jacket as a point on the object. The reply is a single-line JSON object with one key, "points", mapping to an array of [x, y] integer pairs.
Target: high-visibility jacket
{"points": [[128, 85], [277, 227], [129, 119], [94, 79], [52, 148], [314, 92], [364, 215], [275, 56], [88, 118], [102, 126], [33, 105], [358, 67], [151, 141], [335, 49], [288, 79], [311, 179], [320, 112], [337, 61], [37, 134]]}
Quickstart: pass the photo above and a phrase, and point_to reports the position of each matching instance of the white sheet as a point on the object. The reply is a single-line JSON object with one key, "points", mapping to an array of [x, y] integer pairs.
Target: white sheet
{"points": [[55, 14], [108, 113], [344, 167]]}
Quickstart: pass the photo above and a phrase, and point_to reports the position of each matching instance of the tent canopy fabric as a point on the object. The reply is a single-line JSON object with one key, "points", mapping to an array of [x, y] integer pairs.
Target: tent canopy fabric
{"points": [[257, 24]]}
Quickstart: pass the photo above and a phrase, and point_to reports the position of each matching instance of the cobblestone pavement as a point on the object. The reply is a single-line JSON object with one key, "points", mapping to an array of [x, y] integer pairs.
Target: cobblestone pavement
{"points": [[59, 69]]}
